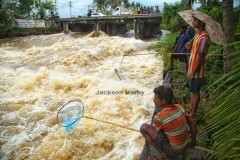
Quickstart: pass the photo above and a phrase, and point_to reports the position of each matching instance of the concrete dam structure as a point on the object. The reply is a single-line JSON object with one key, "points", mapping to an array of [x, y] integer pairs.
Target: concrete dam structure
{"points": [[144, 25]]}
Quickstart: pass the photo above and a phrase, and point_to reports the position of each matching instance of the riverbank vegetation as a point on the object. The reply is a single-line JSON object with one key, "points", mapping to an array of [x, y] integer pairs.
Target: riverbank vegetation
{"points": [[13, 31], [218, 113], [24, 9]]}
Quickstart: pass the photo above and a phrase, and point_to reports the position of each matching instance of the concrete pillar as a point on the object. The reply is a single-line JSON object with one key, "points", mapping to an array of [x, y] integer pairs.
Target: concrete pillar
{"points": [[138, 29], [96, 26], [135, 26], [141, 32], [107, 28], [65, 27]]}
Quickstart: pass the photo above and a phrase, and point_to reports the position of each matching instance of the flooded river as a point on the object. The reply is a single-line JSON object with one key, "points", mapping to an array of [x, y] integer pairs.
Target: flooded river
{"points": [[39, 74]]}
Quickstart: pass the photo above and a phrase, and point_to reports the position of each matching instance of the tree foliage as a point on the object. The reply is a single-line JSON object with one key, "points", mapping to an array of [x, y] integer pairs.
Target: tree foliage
{"points": [[188, 3], [42, 8], [170, 18], [223, 119], [237, 20], [25, 9], [213, 8], [104, 5], [107, 5]]}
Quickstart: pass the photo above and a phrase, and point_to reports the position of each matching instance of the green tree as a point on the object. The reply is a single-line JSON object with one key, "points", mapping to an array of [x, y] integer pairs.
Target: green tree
{"points": [[213, 8], [42, 8], [170, 19], [188, 3], [24, 8], [133, 5], [237, 20], [104, 5], [5, 13]]}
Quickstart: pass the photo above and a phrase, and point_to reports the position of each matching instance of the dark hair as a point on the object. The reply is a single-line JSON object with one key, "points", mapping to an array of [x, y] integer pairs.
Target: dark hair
{"points": [[164, 92], [183, 27]]}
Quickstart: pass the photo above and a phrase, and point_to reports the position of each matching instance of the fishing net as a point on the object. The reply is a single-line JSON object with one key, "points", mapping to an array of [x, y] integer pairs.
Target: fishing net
{"points": [[70, 114]]}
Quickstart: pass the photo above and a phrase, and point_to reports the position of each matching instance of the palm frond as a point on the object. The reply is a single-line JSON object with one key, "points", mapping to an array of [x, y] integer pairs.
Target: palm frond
{"points": [[223, 120]]}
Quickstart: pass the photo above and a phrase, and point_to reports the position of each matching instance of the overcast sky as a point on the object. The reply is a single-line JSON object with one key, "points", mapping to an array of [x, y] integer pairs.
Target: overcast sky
{"points": [[81, 7]]}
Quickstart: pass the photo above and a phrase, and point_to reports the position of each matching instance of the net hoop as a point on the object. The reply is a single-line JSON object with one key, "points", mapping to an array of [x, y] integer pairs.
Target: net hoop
{"points": [[75, 120]]}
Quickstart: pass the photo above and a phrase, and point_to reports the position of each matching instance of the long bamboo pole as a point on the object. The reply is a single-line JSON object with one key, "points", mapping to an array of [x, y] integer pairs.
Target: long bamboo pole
{"points": [[135, 130], [150, 53], [88, 117]]}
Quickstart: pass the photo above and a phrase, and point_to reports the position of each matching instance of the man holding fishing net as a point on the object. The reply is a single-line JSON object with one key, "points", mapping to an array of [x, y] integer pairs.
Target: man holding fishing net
{"points": [[169, 132]]}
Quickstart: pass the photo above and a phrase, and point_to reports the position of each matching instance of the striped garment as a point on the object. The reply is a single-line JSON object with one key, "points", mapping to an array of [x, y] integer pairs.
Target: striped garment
{"points": [[200, 46], [172, 120]]}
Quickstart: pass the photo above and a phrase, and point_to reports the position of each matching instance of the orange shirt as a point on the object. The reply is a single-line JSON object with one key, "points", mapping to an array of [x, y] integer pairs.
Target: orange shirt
{"points": [[172, 120]]}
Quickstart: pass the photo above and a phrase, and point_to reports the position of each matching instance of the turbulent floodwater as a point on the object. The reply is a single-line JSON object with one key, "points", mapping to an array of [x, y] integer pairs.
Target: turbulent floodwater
{"points": [[39, 74]]}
